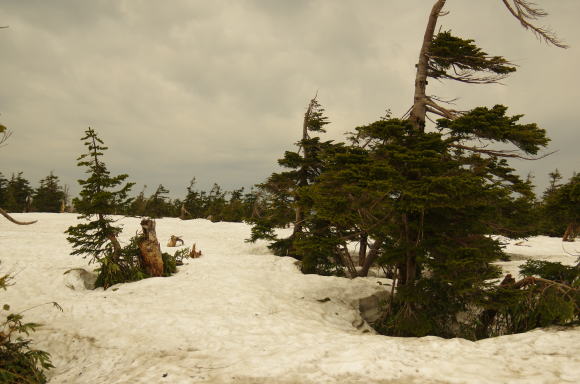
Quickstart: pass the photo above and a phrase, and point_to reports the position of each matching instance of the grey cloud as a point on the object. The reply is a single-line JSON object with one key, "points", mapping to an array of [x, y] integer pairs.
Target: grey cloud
{"points": [[217, 89]]}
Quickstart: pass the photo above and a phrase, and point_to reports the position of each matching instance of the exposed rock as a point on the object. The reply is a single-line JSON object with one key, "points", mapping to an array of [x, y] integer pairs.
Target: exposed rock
{"points": [[79, 279], [371, 307]]}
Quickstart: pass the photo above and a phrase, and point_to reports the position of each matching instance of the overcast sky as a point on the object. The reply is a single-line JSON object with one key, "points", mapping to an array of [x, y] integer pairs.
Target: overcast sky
{"points": [[217, 89]]}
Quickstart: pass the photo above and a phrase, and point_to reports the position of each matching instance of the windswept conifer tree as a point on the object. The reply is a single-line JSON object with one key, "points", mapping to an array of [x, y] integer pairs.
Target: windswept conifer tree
{"points": [[102, 195], [283, 204], [423, 199], [158, 204]]}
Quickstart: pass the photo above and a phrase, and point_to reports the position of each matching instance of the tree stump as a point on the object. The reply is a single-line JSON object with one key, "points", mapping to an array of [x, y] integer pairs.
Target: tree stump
{"points": [[174, 240], [150, 250], [193, 253]]}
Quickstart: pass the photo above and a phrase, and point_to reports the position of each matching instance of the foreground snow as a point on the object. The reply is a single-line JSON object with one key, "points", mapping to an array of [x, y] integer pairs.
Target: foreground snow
{"points": [[239, 315]]}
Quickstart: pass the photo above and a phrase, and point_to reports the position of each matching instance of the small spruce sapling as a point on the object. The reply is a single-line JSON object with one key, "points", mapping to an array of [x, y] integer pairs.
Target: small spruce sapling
{"points": [[19, 361], [96, 236]]}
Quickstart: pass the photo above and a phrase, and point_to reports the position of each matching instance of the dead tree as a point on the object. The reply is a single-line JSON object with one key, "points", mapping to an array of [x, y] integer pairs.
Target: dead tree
{"points": [[6, 215], [150, 250]]}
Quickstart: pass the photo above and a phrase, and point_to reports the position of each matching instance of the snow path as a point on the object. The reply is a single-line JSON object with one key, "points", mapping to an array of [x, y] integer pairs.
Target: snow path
{"points": [[239, 315]]}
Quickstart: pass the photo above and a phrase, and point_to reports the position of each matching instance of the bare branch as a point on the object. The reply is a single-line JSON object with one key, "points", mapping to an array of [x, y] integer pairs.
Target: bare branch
{"points": [[433, 107], [4, 135], [6, 215], [526, 12], [500, 153]]}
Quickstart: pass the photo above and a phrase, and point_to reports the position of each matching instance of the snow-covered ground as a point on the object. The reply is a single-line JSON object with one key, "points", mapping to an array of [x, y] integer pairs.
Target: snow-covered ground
{"points": [[240, 315]]}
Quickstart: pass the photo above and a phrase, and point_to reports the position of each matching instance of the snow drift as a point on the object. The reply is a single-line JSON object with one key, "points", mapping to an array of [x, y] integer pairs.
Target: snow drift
{"points": [[241, 315]]}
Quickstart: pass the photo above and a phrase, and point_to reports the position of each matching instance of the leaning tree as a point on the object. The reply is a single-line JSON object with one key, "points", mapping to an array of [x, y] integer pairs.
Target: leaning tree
{"points": [[426, 197]]}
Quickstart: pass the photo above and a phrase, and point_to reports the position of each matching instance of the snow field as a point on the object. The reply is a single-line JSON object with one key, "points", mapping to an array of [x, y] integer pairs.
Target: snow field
{"points": [[240, 315]]}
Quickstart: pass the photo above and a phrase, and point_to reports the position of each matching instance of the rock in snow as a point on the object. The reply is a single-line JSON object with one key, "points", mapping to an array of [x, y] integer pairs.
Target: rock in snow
{"points": [[240, 315]]}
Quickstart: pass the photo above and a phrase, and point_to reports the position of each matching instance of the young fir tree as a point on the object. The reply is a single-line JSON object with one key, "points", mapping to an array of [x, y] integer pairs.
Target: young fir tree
{"points": [[49, 196], [282, 198], [102, 195], [19, 361]]}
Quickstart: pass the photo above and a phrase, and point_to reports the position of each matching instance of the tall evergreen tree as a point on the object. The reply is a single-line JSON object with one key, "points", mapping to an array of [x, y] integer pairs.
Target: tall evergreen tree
{"points": [[138, 206], [194, 201], [18, 195], [96, 236], [428, 197], [281, 190], [561, 209], [158, 203], [49, 196], [444, 210]]}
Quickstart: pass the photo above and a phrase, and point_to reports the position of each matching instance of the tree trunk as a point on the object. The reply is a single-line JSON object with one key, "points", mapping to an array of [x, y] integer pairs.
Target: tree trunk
{"points": [[371, 258], [348, 263], [571, 232], [6, 215], [362, 251], [419, 109], [150, 249], [411, 267], [184, 213], [299, 218]]}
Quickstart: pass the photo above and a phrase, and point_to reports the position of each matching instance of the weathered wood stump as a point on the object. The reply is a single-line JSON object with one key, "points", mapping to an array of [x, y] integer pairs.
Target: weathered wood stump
{"points": [[150, 250], [193, 253], [174, 240]]}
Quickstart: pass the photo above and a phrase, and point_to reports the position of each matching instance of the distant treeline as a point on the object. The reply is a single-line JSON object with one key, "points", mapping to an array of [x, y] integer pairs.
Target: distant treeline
{"points": [[543, 213], [217, 204]]}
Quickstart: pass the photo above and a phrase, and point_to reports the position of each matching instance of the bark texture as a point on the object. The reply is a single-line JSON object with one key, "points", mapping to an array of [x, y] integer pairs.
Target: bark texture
{"points": [[571, 232], [419, 109], [194, 254], [174, 240], [150, 249]]}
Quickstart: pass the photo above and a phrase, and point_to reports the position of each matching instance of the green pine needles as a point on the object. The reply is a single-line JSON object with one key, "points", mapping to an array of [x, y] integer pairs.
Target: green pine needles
{"points": [[96, 236], [20, 363], [102, 196], [421, 200]]}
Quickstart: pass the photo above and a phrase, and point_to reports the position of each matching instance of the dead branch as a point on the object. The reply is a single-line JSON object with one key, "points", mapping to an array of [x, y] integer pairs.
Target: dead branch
{"points": [[500, 153], [526, 12], [10, 218]]}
